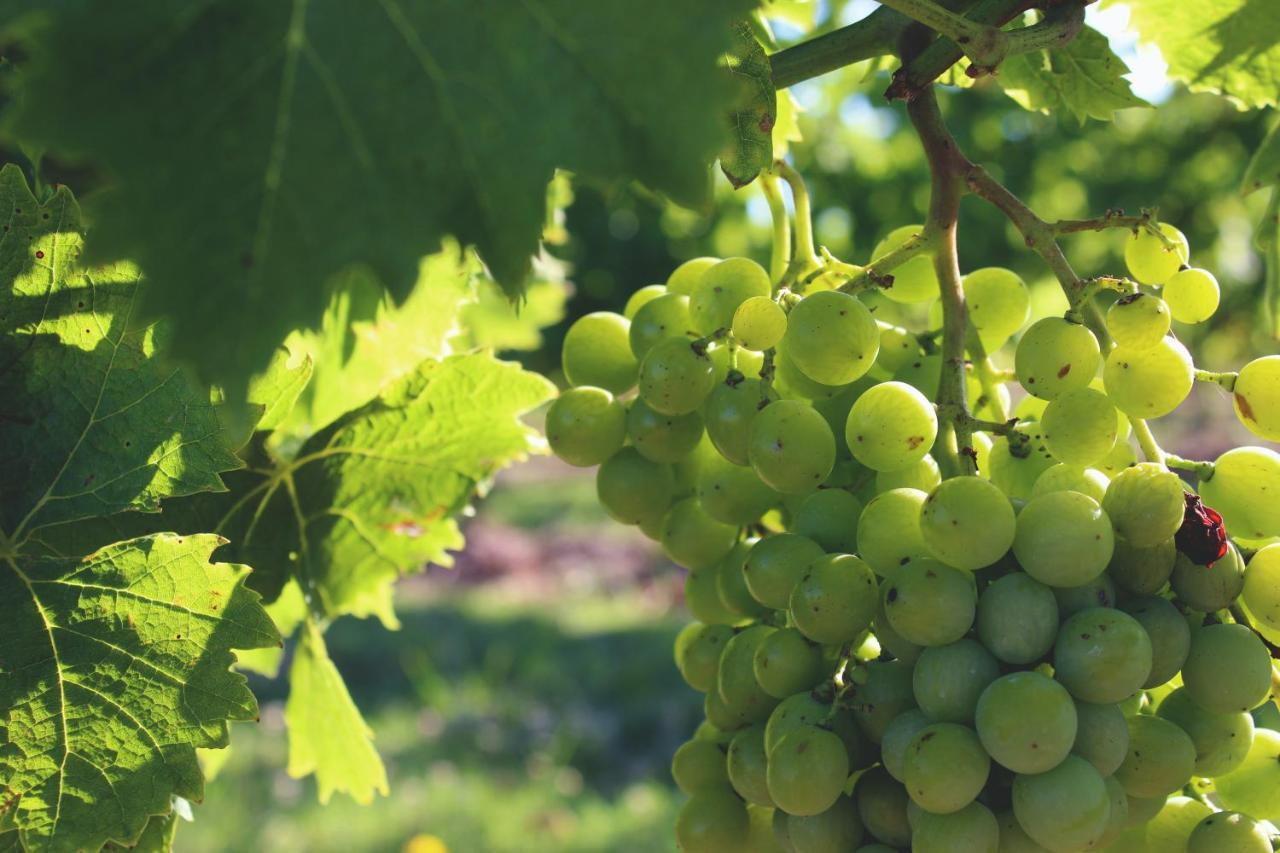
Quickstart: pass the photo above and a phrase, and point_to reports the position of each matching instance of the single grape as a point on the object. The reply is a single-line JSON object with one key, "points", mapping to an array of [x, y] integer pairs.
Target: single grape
{"points": [[597, 352], [1056, 355], [998, 303], [1118, 818], [759, 323], [699, 765], [1261, 592], [891, 642], [882, 805], [674, 378], [1069, 478], [1149, 383], [633, 489], [1138, 321], [889, 530], [815, 708], [1229, 832], [1079, 426], [832, 337], [949, 679], [747, 765], [1168, 631], [693, 538], [1026, 722], [791, 447], [731, 584], [732, 494], [1122, 456], [836, 830], [1142, 810], [1102, 736], [1142, 571], [1013, 838], [967, 523], [925, 373], [1066, 808], [787, 663], [1015, 463], [585, 426], [1257, 397], [1145, 504], [928, 603], [712, 822], [898, 347], [973, 829], [722, 716], [883, 692], [698, 650], [923, 475], [898, 736], [721, 289], [684, 278], [830, 518], [913, 281], [1017, 619], [835, 599], [1102, 655], [807, 771], [1160, 760], [1227, 670], [1212, 587], [728, 413], [703, 600], [891, 426], [1254, 786], [945, 767], [1192, 295], [641, 298], [1150, 260], [1172, 826], [736, 679], [1099, 592], [1221, 740], [667, 316], [1244, 488], [659, 437], [793, 383], [1064, 539], [775, 564]]}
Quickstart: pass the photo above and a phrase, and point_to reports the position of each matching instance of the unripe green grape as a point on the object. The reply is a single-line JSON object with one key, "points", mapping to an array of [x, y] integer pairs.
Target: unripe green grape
{"points": [[882, 805], [883, 692], [699, 765], [1099, 592], [1122, 456], [698, 650], [898, 347], [1257, 397], [1228, 669], [1254, 786], [1142, 571], [736, 677], [666, 316], [1102, 655], [759, 323], [684, 278], [831, 337], [972, 829], [914, 281], [597, 352], [728, 414], [792, 382], [1079, 426], [945, 767], [835, 599], [1143, 810], [1244, 486], [1102, 736], [1160, 760], [787, 663], [889, 530], [702, 599], [949, 679], [814, 708], [1221, 740], [1066, 808], [1063, 539], [1149, 383], [693, 538], [1229, 832], [1056, 355], [712, 822], [775, 564], [1017, 619], [1013, 838], [1149, 260], [967, 523], [633, 489], [1145, 504], [807, 771], [747, 765], [1261, 592], [1026, 722], [1118, 817], [731, 584], [1169, 633], [1138, 321], [659, 437], [674, 379], [928, 603], [721, 289], [923, 475], [925, 372], [998, 303], [891, 426], [791, 447], [1212, 587], [835, 830], [1070, 478], [585, 426], [1016, 475], [898, 736], [723, 717], [1172, 826], [830, 518], [641, 298], [1192, 295], [732, 494], [891, 642]]}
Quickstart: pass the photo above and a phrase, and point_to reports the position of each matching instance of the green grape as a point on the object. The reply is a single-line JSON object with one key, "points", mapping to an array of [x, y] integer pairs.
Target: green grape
{"points": [[692, 538], [585, 426], [698, 650], [659, 437], [1243, 488], [1149, 383], [1142, 571], [747, 764], [928, 603], [1069, 478], [949, 679], [1063, 539], [1254, 786], [1227, 670], [667, 316], [1144, 809], [1160, 760], [721, 289], [684, 278], [1102, 736], [972, 829], [736, 678], [1192, 295], [732, 494], [689, 469], [882, 806], [884, 692], [1122, 456], [791, 447], [925, 373], [699, 765], [835, 830], [641, 298], [898, 736], [814, 708], [787, 663], [728, 414], [891, 426], [731, 584], [793, 383], [703, 601], [1221, 740], [597, 352], [1261, 592], [760, 836], [1212, 587], [633, 489], [1138, 321], [1079, 426], [1257, 397], [1168, 631], [674, 379], [967, 523], [835, 599], [1118, 817], [830, 518], [775, 564], [1229, 832], [712, 822], [1149, 260], [722, 716], [923, 475], [1017, 619], [1172, 826], [1146, 504], [1016, 475], [889, 530], [1026, 721], [998, 303], [898, 347], [1102, 655], [891, 642], [1056, 355], [832, 337], [1013, 838], [835, 409], [1099, 592], [914, 281], [945, 767], [1064, 809], [759, 323], [807, 771]]}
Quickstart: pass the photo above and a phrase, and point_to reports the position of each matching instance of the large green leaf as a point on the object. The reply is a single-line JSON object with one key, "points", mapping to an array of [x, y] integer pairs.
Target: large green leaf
{"points": [[1231, 47], [114, 668], [755, 110], [260, 148]]}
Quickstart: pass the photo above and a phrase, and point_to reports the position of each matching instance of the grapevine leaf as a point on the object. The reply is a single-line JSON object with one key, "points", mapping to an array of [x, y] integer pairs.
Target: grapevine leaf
{"points": [[278, 387], [157, 835], [327, 735], [287, 612], [308, 137], [1264, 167], [1231, 47], [755, 110], [1084, 78], [493, 322], [91, 422], [116, 668]]}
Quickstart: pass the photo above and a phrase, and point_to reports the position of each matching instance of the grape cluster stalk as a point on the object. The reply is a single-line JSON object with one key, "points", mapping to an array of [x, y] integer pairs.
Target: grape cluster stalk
{"points": [[943, 606]]}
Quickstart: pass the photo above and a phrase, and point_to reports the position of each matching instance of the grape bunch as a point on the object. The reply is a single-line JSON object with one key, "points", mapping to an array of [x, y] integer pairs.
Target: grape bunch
{"points": [[1026, 641]]}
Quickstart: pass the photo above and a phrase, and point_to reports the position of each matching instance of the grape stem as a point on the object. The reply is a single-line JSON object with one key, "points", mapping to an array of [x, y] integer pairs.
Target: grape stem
{"points": [[701, 345], [984, 44], [877, 273], [1203, 470], [781, 255], [1226, 380], [805, 259], [1151, 449], [768, 369], [875, 35]]}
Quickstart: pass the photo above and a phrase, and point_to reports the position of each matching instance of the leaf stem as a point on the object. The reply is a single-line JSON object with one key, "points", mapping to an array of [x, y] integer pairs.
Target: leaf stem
{"points": [[781, 232]]}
